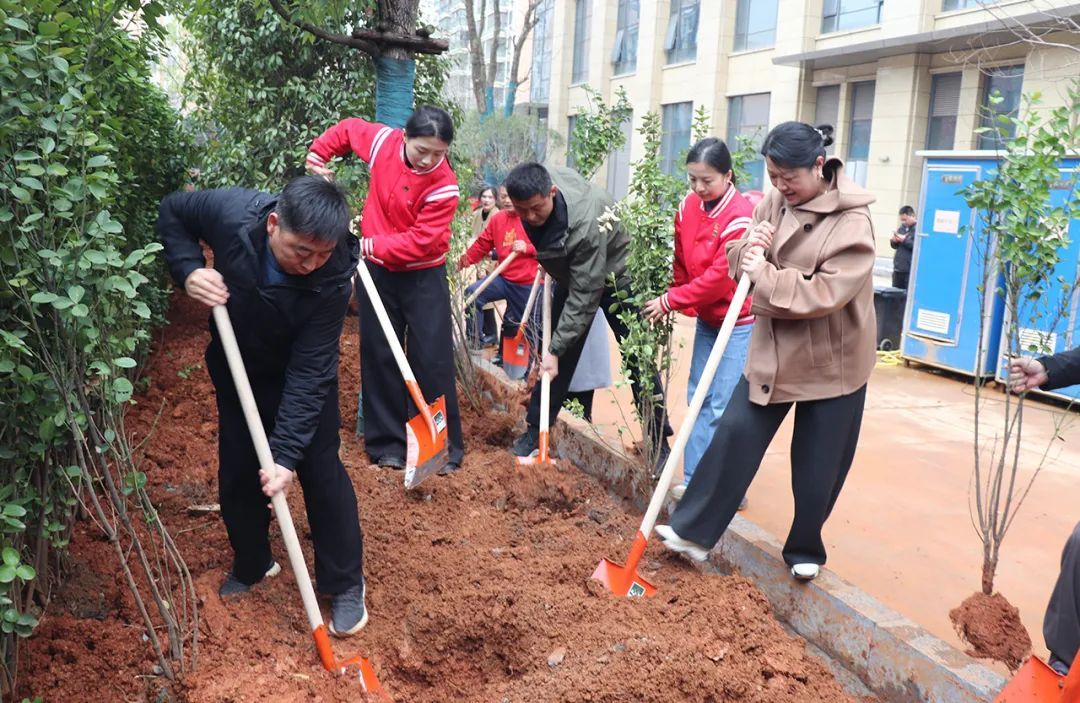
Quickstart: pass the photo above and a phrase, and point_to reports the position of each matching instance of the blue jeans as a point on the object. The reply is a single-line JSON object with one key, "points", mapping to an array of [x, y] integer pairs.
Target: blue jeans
{"points": [[515, 295], [727, 375]]}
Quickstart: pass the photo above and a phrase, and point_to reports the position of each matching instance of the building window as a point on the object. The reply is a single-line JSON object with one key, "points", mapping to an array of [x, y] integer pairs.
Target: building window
{"points": [[618, 173], [755, 24], [858, 148], [675, 142], [1007, 81], [828, 110], [624, 54], [681, 39], [541, 60], [582, 15], [944, 106], [748, 117], [571, 123], [838, 15], [948, 5]]}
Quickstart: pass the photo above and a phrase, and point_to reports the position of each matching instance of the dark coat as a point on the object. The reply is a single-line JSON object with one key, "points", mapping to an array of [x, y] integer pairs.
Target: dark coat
{"points": [[1061, 369], [288, 331]]}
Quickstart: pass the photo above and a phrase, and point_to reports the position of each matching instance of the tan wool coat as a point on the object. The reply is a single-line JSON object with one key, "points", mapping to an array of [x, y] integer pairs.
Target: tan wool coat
{"points": [[815, 335]]}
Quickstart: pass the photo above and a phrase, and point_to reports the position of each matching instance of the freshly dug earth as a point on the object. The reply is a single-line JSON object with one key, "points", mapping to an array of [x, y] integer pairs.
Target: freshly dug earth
{"points": [[992, 626], [478, 587]]}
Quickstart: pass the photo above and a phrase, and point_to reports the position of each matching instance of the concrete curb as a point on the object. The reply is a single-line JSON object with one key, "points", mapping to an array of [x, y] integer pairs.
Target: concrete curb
{"points": [[896, 659]]}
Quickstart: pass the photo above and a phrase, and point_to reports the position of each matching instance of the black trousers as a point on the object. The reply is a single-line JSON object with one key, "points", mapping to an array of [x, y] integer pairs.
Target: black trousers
{"points": [[329, 498], [586, 400], [900, 279], [822, 448], [418, 304], [560, 386], [1061, 627]]}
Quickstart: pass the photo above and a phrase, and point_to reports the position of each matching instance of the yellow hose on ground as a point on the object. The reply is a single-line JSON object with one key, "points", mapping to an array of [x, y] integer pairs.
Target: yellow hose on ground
{"points": [[889, 358]]}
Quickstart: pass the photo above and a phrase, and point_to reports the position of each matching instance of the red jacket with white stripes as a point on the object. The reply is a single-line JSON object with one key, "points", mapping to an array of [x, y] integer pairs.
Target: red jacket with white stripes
{"points": [[405, 225], [502, 230], [702, 280]]}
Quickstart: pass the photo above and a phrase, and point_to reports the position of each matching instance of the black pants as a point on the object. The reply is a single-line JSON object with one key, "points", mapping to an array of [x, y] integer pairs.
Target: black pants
{"points": [[329, 497], [418, 304], [1061, 627], [612, 306], [822, 448], [900, 279], [586, 399]]}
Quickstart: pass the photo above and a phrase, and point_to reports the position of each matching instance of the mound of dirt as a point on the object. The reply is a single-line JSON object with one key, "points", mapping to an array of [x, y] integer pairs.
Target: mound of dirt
{"points": [[477, 585], [992, 626]]}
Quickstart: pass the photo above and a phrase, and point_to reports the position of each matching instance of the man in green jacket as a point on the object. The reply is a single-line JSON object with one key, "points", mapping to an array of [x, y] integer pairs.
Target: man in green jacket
{"points": [[561, 213]]}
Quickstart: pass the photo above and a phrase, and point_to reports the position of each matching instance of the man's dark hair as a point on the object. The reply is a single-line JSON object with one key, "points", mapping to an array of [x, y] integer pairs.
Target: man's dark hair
{"points": [[907, 210], [526, 180], [311, 206]]}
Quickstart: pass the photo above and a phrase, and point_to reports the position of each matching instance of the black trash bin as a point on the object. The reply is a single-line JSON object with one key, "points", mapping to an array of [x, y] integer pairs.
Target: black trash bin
{"points": [[889, 307]]}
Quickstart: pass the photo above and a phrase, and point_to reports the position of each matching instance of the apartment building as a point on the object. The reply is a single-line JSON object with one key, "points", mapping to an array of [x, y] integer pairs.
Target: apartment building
{"points": [[893, 76]]}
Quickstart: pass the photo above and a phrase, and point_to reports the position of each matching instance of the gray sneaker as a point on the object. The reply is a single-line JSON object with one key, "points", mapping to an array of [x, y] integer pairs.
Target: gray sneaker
{"points": [[233, 586], [348, 614]]}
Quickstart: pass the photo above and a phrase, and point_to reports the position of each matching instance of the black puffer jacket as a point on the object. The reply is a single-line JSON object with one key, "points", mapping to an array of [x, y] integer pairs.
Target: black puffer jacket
{"points": [[288, 332]]}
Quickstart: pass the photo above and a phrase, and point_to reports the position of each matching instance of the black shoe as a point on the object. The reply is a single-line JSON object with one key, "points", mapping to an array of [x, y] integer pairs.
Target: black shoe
{"points": [[661, 459], [489, 340], [348, 614], [497, 360], [450, 468], [527, 443], [391, 462], [1058, 665], [233, 586]]}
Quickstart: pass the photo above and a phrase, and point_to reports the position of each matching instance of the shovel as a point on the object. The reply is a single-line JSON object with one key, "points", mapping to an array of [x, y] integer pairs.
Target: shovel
{"points": [[354, 666], [542, 457], [1036, 682], [515, 350], [624, 580], [488, 281], [425, 433]]}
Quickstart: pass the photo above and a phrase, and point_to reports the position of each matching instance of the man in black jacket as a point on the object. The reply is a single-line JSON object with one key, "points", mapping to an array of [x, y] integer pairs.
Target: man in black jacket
{"points": [[1061, 625], [283, 266], [903, 241]]}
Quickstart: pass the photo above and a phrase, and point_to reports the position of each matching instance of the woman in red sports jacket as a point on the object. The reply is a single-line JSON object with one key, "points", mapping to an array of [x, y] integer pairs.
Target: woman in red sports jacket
{"points": [[712, 214], [405, 235]]}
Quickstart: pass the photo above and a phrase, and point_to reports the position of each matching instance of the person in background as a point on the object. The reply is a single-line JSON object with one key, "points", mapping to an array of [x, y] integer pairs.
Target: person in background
{"points": [[482, 213], [561, 213], [283, 265], [504, 235], [405, 235], [486, 206], [1061, 624], [903, 241], [810, 257], [594, 367], [712, 214]]}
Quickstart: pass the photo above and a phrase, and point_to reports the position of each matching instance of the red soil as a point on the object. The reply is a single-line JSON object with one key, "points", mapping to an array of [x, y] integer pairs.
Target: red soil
{"points": [[478, 587], [991, 625]]}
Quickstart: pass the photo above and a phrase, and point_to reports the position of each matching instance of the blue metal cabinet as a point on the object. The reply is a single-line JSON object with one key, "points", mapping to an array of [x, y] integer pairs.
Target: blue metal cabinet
{"points": [[944, 324], [1052, 323]]}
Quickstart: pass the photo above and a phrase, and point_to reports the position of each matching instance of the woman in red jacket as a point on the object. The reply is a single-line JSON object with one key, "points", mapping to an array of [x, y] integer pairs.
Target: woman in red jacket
{"points": [[405, 235], [712, 214]]}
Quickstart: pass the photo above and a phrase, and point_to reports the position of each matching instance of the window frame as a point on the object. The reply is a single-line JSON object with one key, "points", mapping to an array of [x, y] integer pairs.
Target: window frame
{"points": [[579, 68], [935, 84], [669, 156], [986, 116], [736, 106], [839, 12], [742, 16], [626, 38], [674, 51]]}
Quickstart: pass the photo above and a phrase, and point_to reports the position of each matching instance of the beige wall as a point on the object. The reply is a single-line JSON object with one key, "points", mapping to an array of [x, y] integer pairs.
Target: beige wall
{"points": [[902, 83]]}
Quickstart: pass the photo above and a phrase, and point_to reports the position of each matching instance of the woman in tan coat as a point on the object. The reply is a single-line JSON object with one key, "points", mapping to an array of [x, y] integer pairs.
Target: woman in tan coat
{"points": [[810, 256]]}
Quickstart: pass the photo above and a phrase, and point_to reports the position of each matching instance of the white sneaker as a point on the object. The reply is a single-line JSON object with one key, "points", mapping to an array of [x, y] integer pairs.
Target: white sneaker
{"points": [[677, 491], [677, 544], [805, 572]]}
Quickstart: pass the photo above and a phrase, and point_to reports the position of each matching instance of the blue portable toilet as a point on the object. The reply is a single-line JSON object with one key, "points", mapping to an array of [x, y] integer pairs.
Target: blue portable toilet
{"points": [[1052, 323], [946, 325]]}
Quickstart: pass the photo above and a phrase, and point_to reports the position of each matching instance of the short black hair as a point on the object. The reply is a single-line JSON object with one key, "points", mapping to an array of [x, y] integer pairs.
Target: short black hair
{"points": [[711, 151], [428, 121], [312, 206], [796, 144], [907, 210], [526, 180]]}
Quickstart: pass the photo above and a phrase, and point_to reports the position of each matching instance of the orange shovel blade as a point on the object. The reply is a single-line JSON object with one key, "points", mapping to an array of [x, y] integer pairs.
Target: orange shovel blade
{"points": [[625, 580], [1035, 682], [515, 356], [363, 668], [424, 454]]}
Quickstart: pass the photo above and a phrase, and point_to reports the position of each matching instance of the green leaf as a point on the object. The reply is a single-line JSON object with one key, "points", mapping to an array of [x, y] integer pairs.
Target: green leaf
{"points": [[48, 29], [98, 161], [21, 194], [29, 182], [76, 293], [10, 556], [97, 190], [61, 63], [25, 572], [80, 310], [124, 362], [26, 156], [17, 23], [123, 389], [43, 297]]}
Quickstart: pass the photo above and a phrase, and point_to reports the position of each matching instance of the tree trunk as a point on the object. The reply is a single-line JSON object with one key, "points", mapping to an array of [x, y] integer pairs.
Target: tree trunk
{"points": [[476, 51], [492, 64], [395, 69], [989, 569], [515, 64]]}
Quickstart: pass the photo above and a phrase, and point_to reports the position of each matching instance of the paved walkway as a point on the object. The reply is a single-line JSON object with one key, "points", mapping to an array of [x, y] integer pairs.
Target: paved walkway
{"points": [[902, 529]]}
